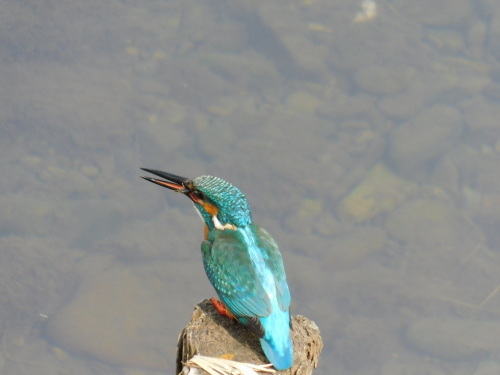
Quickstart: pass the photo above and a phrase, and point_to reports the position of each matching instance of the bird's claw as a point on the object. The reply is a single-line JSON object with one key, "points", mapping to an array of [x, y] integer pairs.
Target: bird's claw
{"points": [[221, 308]]}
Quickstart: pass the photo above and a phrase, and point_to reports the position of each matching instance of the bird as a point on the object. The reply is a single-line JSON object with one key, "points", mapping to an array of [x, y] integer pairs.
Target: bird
{"points": [[242, 262]]}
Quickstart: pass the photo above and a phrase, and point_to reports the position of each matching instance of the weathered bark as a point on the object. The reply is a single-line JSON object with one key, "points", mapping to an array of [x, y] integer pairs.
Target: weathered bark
{"points": [[213, 335]]}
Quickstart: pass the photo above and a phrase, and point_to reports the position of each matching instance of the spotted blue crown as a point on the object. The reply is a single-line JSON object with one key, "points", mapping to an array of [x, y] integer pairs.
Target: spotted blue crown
{"points": [[231, 202]]}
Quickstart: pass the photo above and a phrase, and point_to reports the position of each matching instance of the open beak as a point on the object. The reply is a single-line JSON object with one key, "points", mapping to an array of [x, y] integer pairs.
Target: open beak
{"points": [[175, 183]]}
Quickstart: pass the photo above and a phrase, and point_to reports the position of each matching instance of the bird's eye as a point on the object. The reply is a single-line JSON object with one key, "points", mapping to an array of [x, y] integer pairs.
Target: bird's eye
{"points": [[198, 194]]}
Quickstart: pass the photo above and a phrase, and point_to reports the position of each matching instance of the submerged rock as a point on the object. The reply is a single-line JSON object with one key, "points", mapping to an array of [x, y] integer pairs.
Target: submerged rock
{"points": [[120, 316], [379, 192], [432, 223], [424, 138], [455, 339]]}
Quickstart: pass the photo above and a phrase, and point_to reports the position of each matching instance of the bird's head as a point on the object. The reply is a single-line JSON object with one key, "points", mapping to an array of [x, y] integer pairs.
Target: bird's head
{"points": [[221, 205]]}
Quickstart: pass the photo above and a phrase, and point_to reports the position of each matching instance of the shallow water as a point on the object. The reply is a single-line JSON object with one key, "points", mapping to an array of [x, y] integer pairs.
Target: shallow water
{"points": [[368, 146]]}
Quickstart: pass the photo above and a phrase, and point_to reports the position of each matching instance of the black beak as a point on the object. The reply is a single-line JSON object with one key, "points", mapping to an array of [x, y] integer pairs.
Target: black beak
{"points": [[175, 183]]}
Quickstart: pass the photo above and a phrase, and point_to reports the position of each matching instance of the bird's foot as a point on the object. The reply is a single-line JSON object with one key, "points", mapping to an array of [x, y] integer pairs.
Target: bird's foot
{"points": [[221, 308]]}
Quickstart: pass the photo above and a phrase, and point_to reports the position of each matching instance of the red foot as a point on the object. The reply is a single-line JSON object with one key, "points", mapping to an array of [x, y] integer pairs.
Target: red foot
{"points": [[221, 308]]}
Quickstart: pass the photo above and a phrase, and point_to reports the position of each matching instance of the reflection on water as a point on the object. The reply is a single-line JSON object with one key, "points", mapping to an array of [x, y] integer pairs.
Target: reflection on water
{"points": [[370, 150]]}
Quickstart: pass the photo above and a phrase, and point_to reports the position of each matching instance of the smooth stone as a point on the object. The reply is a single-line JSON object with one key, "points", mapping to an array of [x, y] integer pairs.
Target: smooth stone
{"points": [[380, 80], [120, 316], [379, 192], [238, 66], [486, 8], [216, 140], [224, 106], [26, 215], [446, 175], [481, 116], [446, 40], [97, 219], [487, 173], [494, 32], [435, 12], [89, 171], [473, 200], [488, 367], [425, 137], [476, 39], [36, 275], [432, 223], [399, 366], [492, 91], [326, 225], [455, 339], [302, 220], [279, 39], [302, 101], [401, 106], [348, 106], [490, 207], [352, 248]]}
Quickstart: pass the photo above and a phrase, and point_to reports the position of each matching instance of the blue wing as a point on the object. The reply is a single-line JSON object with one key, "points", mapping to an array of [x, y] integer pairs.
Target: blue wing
{"points": [[246, 269], [274, 261], [231, 269]]}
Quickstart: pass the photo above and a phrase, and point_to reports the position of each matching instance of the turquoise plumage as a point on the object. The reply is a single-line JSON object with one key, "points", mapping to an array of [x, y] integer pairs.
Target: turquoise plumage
{"points": [[242, 261]]}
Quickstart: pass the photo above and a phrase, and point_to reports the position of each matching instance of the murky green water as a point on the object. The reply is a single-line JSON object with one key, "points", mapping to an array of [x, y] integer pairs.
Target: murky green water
{"points": [[368, 144]]}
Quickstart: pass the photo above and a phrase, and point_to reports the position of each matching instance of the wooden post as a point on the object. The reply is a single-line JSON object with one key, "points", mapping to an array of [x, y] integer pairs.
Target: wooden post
{"points": [[213, 335]]}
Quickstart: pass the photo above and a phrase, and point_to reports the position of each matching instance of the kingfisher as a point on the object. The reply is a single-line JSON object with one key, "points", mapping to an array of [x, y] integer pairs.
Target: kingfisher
{"points": [[241, 260]]}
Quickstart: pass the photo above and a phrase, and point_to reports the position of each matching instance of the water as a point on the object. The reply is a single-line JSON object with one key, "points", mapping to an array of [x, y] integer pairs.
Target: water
{"points": [[367, 146]]}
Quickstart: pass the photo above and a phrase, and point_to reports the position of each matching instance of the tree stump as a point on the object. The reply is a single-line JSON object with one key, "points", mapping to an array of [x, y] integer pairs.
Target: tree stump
{"points": [[213, 335]]}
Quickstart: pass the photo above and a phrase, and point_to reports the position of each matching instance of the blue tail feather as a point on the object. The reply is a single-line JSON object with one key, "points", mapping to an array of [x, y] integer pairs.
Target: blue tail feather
{"points": [[276, 343], [280, 360]]}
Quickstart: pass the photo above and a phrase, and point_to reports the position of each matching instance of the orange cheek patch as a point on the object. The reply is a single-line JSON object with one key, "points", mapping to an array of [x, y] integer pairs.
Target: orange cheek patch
{"points": [[210, 208]]}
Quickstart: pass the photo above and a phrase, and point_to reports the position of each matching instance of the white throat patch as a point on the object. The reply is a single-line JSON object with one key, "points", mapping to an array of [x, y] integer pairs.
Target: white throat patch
{"points": [[219, 226]]}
